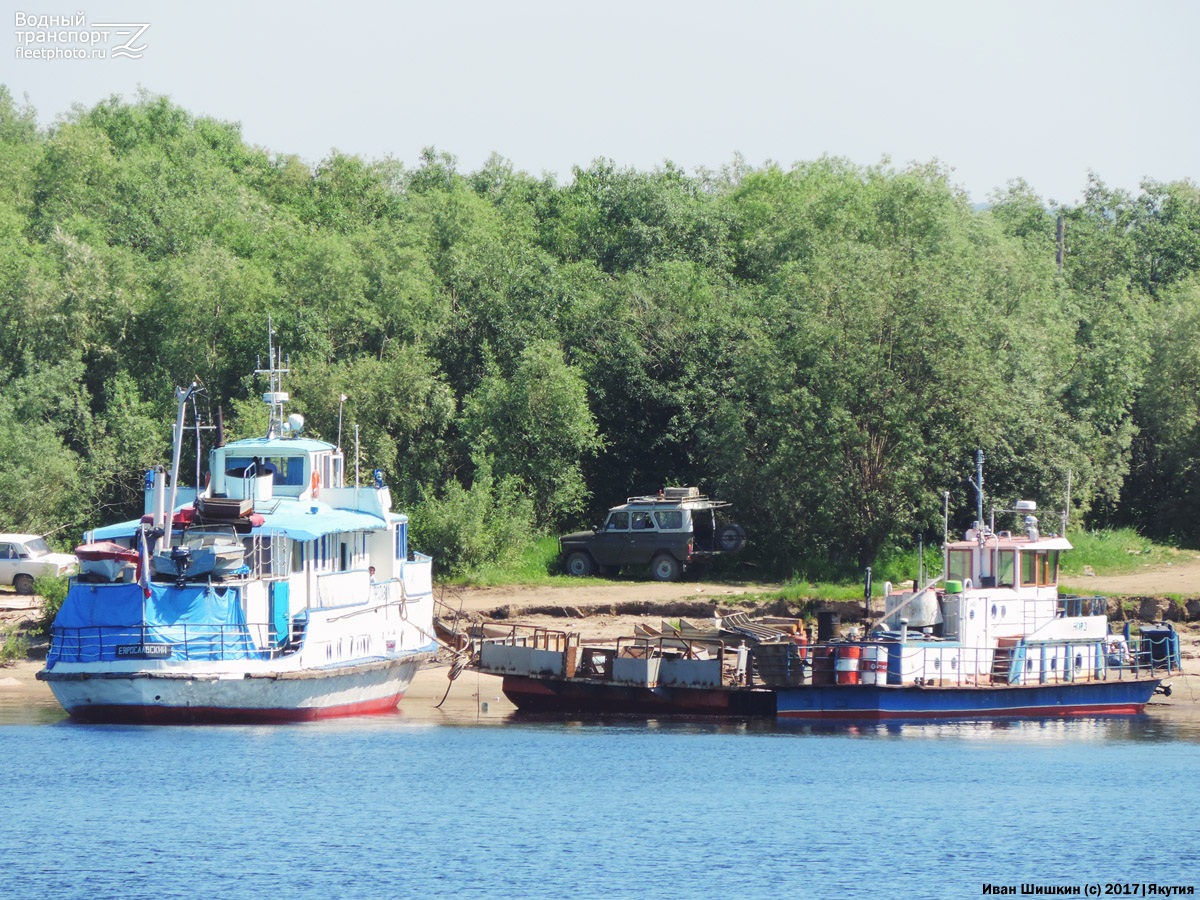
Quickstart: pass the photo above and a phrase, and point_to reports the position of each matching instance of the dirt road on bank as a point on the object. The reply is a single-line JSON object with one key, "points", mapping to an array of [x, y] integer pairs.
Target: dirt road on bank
{"points": [[1180, 579]]}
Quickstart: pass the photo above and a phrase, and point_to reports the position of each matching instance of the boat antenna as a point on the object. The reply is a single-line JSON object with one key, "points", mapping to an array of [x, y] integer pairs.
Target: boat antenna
{"points": [[945, 517], [196, 422], [341, 402], [1067, 508], [977, 483]]}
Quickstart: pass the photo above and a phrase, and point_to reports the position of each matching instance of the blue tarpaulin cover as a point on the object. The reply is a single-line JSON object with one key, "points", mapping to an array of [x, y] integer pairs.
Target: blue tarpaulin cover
{"points": [[100, 622]]}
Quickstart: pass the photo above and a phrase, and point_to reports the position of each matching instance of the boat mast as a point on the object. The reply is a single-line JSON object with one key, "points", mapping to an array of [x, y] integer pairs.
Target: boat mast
{"points": [[275, 396], [181, 399]]}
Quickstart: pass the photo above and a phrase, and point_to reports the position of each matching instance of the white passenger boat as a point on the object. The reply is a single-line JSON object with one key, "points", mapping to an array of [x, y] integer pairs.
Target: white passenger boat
{"points": [[276, 593]]}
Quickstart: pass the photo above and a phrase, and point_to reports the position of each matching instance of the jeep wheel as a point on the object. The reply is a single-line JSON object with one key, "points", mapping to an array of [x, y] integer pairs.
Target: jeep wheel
{"points": [[24, 584], [580, 564], [664, 567]]}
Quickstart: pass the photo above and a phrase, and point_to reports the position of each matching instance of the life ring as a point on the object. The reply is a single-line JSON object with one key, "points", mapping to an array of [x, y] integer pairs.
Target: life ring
{"points": [[316, 484]]}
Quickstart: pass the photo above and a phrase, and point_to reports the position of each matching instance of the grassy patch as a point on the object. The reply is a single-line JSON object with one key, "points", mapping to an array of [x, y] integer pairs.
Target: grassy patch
{"points": [[14, 646], [1118, 552], [798, 590], [536, 564]]}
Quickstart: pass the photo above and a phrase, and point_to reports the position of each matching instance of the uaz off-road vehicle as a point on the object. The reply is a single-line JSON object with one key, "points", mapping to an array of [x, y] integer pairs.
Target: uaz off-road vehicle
{"points": [[672, 533]]}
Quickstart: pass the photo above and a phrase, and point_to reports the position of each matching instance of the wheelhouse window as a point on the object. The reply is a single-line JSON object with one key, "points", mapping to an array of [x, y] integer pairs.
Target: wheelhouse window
{"points": [[1039, 567], [285, 470], [1006, 568], [958, 565]]}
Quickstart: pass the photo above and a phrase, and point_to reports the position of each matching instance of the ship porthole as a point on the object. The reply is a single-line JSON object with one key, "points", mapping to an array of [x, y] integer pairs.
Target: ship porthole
{"points": [[993, 610], [1003, 611], [954, 662], [937, 663], [1078, 660]]}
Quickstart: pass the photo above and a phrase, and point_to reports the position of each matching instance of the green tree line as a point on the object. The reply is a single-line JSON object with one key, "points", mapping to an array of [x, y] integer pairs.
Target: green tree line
{"points": [[825, 345]]}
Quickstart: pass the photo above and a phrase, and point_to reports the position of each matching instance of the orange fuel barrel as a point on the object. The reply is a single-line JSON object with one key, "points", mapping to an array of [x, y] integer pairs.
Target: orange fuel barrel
{"points": [[800, 639], [822, 664], [846, 664]]}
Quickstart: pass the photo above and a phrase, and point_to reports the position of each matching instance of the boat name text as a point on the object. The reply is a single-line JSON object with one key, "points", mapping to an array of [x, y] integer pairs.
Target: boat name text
{"points": [[145, 651]]}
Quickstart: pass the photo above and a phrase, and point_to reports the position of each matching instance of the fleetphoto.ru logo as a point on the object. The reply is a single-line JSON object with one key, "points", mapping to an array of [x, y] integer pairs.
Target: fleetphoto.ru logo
{"points": [[73, 37]]}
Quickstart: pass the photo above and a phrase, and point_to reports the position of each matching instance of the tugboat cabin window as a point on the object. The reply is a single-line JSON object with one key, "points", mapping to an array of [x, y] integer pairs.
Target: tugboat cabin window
{"points": [[1005, 568], [1039, 567], [958, 566]]}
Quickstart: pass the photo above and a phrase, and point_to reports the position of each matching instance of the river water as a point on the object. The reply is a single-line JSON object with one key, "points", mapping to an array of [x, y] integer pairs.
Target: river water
{"points": [[400, 806]]}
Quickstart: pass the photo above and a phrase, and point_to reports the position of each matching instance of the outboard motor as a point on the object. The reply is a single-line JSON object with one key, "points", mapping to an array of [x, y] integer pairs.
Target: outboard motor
{"points": [[181, 556]]}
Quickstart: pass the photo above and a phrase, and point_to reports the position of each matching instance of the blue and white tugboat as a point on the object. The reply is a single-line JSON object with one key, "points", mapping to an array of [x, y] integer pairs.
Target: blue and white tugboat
{"points": [[994, 639], [276, 593]]}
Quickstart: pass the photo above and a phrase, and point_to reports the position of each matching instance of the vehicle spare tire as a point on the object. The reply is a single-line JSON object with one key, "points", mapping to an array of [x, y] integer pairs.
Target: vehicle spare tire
{"points": [[731, 538]]}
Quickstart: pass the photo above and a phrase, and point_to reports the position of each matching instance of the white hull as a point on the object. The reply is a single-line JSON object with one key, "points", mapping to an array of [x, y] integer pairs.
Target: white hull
{"points": [[249, 694]]}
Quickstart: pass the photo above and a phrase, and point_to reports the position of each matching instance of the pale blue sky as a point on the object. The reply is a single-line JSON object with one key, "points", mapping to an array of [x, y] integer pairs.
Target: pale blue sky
{"points": [[1045, 91]]}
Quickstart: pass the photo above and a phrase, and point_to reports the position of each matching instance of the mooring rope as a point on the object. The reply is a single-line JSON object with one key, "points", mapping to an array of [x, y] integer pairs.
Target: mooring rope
{"points": [[461, 661]]}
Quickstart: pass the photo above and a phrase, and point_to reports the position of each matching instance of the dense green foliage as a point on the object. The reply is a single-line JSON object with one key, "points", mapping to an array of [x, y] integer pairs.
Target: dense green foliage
{"points": [[823, 345]]}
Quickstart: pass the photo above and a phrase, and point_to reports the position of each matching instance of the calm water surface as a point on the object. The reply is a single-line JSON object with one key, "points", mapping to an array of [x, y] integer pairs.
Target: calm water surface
{"points": [[395, 806]]}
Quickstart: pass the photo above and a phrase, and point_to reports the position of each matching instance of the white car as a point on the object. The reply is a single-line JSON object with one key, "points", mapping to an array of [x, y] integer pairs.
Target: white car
{"points": [[24, 557]]}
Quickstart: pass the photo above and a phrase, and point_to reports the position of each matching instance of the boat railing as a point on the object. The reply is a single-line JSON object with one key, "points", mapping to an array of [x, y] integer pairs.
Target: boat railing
{"points": [[185, 642], [519, 649], [349, 588], [1074, 605], [648, 647], [269, 555], [389, 596], [533, 636], [933, 663]]}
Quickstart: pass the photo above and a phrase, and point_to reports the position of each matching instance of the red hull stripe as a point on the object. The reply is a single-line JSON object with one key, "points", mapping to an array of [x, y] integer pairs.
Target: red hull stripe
{"points": [[197, 715]]}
